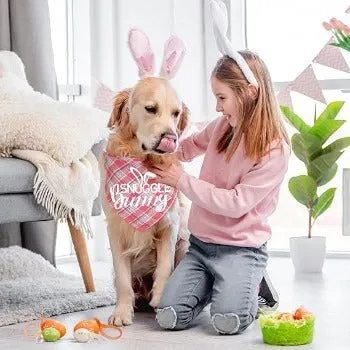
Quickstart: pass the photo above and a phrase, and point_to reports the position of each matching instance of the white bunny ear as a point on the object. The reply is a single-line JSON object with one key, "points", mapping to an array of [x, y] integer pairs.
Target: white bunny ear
{"points": [[141, 50], [137, 175], [174, 52], [220, 23], [219, 14]]}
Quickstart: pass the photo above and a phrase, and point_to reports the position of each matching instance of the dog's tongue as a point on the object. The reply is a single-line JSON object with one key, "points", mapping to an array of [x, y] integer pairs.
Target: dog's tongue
{"points": [[167, 144]]}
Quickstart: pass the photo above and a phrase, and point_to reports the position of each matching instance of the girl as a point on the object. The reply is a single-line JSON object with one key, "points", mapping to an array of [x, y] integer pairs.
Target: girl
{"points": [[246, 158]]}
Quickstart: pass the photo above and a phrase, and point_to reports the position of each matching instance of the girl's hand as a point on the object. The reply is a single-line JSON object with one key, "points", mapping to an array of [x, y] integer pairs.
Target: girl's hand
{"points": [[168, 176]]}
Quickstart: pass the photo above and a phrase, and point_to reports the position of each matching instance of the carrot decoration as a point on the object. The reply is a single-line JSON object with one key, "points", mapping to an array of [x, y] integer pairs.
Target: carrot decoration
{"points": [[94, 326], [51, 330]]}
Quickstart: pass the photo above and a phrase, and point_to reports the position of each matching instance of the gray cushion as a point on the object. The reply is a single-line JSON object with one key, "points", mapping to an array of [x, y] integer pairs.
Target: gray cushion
{"points": [[21, 207], [17, 203], [16, 175]]}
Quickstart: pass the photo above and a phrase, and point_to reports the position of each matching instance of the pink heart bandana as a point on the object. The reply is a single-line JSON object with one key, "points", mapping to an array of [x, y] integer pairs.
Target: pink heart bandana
{"points": [[127, 190]]}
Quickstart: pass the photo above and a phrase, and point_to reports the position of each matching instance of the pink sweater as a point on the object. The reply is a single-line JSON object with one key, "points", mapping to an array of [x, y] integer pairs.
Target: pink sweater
{"points": [[231, 201]]}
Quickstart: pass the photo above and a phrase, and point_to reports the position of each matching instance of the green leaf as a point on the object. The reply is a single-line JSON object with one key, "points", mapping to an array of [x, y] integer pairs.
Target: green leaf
{"points": [[343, 37], [305, 146], [328, 176], [322, 165], [314, 146], [331, 111], [299, 148], [337, 35], [335, 44], [326, 128], [295, 120], [323, 203], [303, 188], [337, 145]]}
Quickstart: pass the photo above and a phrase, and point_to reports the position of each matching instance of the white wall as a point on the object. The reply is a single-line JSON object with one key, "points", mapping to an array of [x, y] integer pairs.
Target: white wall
{"points": [[112, 62]]}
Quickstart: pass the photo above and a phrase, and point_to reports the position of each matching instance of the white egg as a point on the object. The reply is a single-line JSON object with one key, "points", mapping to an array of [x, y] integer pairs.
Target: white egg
{"points": [[83, 335]]}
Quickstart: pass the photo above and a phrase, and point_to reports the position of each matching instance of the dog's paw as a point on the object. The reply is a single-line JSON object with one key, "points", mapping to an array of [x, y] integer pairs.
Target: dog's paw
{"points": [[122, 316], [155, 301]]}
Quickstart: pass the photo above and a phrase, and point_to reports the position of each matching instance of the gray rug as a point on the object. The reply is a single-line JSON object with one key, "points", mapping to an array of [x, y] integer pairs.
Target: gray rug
{"points": [[30, 287]]}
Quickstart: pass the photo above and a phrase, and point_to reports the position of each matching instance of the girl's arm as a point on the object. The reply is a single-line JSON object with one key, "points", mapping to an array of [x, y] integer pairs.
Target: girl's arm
{"points": [[195, 144], [256, 185]]}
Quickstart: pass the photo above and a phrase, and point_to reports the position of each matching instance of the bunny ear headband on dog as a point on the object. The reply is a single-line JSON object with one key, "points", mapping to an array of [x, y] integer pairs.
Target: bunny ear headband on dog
{"points": [[220, 24], [142, 52]]}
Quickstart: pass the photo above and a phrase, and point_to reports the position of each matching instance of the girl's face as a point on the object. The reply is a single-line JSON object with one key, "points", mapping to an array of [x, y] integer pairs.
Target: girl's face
{"points": [[226, 101]]}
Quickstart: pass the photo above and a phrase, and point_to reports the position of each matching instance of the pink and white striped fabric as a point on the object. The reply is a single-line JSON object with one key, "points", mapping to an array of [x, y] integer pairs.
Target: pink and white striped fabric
{"points": [[127, 190]]}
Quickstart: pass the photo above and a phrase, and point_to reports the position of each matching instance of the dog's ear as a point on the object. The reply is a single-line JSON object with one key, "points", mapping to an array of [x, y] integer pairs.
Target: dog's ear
{"points": [[120, 116], [184, 118]]}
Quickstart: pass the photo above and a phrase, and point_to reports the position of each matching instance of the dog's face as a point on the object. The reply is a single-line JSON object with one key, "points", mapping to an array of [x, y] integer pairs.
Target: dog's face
{"points": [[152, 113]]}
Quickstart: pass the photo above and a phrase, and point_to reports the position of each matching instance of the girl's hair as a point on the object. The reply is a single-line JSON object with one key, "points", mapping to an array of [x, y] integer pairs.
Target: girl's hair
{"points": [[260, 119]]}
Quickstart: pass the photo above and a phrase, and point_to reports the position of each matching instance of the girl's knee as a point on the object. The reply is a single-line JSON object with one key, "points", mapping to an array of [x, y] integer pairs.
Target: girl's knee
{"points": [[173, 317], [231, 323]]}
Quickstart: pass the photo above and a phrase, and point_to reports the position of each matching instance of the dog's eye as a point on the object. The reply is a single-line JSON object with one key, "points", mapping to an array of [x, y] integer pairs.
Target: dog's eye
{"points": [[151, 109], [176, 114]]}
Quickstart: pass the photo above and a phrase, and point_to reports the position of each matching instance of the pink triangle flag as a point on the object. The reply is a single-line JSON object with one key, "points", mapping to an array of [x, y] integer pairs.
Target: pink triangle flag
{"points": [[307, 84], [104, 97], [284, 98], [348, 10], [331, 56]]}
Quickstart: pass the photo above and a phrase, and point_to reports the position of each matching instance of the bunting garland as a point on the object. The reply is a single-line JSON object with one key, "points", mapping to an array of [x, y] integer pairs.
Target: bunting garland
{"points": [[306, 83], [104, 97], [332, 57]]}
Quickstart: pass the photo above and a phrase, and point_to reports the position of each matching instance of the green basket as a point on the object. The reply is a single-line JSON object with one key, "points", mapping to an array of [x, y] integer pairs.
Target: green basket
{"points": [[279, 332]]}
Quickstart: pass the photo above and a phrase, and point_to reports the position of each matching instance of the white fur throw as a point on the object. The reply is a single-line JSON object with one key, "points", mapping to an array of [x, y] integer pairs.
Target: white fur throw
{"points": [[57, 138], [31, 120]]}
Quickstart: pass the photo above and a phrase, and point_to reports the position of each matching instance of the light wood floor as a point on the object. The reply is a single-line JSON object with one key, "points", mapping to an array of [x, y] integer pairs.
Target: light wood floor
{"points": [[327, 295]]}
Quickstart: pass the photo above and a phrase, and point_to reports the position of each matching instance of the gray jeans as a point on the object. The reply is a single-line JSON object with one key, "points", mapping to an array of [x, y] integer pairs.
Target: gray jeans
{"points": [[227, 276]]}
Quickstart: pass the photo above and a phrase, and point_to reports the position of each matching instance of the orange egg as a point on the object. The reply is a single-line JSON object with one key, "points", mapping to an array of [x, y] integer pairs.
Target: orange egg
{"points": [[47, 323], [91, 325]]}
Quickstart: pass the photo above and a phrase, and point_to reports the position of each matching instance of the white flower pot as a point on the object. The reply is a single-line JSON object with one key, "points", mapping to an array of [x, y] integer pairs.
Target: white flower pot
{"points": [[308, 253]]}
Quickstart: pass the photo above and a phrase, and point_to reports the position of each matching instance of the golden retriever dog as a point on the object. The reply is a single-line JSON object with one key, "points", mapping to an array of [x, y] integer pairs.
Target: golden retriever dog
{"points": [[147, 122]]}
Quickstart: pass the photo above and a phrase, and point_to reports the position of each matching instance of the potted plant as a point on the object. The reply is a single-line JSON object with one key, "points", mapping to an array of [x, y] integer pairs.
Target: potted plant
{"points": [[309, 145]]}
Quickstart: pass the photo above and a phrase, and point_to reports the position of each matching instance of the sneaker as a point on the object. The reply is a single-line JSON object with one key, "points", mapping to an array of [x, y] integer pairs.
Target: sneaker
{"points": [[268, 297], [264, 308]]}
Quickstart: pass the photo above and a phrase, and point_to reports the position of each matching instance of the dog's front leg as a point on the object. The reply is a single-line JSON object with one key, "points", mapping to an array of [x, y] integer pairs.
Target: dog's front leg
{"points": [[124, 310], [165, 263]]}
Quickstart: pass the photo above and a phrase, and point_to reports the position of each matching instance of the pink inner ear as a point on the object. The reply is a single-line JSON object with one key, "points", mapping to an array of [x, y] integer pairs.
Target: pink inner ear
{"points": [[146, 63], [141, 50], [174, 51], [170, 63]]}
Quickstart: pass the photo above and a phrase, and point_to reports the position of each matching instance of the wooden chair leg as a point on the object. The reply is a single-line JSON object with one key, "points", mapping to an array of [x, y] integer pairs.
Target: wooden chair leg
{"points": [[80, 248]]}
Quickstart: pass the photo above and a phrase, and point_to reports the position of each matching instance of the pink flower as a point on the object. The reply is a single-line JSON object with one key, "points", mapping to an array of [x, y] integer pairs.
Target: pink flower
{"points": [[346, 30], [336, 24], [326, 26]]}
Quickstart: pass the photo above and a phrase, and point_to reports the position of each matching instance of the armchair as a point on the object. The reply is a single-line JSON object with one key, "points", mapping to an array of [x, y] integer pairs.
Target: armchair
{"points": [[18, 205]]}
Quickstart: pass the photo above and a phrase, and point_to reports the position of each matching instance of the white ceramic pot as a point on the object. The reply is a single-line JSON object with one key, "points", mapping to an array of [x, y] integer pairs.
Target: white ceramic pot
{"points": [[308, 253]]}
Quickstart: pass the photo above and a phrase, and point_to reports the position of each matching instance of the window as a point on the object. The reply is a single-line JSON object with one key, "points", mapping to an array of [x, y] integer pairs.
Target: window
{"points": [[70, 68], [288, 35], [70, 37]]}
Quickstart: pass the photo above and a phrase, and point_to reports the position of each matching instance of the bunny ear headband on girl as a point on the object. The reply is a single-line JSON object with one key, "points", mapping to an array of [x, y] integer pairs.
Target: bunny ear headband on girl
{"points": [[142, 52], [220, 24]]}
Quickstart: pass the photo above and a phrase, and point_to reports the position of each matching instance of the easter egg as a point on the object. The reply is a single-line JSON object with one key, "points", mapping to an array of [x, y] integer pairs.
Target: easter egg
{"points": [[302, 314], [82, 335], [45, 323], [90, 325], [50, 334]]}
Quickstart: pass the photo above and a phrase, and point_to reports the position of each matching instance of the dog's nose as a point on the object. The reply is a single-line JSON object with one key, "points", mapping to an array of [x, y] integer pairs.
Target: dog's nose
{"points": [[169, 135]]}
